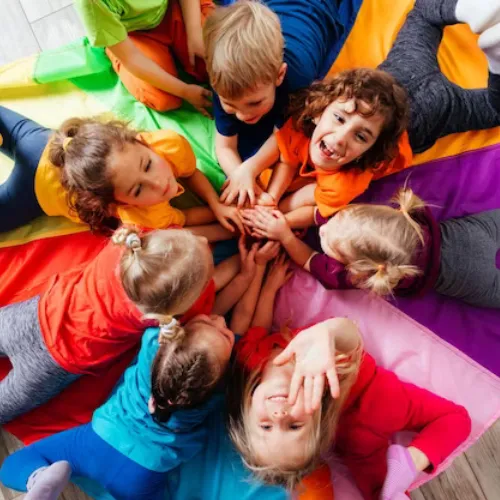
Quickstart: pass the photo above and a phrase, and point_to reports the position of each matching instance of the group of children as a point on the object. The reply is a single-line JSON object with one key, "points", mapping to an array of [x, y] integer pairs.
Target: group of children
{"points": [[296, 152]]}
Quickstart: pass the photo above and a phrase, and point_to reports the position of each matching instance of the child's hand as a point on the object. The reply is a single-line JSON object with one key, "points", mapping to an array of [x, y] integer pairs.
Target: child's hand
{"points": [[248, 257], [314, 353], [239, 185], [266, 223], [195, 47], [267, 252], [199, 98], [279, 273], [266, 200], [225, 215]]}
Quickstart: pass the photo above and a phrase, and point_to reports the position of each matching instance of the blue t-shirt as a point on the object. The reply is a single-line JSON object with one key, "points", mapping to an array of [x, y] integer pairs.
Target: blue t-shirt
{"points": [[310, 28], [125, 423]]}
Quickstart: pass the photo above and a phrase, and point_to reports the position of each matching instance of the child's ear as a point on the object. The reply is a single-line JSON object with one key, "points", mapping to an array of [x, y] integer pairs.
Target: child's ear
{"points": [[281, 74]]}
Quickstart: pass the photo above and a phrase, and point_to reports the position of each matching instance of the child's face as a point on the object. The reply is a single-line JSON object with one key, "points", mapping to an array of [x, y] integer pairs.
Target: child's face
{"points": [[141, 177], [326, 246], [256, 103], [342, 135], [213, 335], [279, 433]]}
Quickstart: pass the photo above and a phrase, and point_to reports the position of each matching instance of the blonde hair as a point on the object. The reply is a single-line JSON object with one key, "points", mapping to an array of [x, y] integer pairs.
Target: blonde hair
{"points": [[377, 243], [325, 422], [162, 271], [182, 374], [244, 47]]}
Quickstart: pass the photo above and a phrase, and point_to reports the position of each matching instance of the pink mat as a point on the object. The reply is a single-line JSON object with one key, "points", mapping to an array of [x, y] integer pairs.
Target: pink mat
{"points": [[401, 344]]}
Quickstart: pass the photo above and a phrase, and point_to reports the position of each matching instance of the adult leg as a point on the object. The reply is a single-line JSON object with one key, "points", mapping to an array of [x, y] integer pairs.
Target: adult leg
{"points": [[468, 259], [438, 107], [35, 377], [23, 140]]}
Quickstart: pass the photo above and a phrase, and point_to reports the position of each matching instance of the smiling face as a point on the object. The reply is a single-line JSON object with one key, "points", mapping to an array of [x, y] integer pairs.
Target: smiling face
{"points": [[279, 433], [343, 134], [255, 103], [141, 177]]}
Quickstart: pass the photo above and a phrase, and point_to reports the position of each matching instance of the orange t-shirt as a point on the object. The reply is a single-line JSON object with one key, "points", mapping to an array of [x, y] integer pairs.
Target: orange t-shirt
{"points": [[86, 318], [335, 189]]}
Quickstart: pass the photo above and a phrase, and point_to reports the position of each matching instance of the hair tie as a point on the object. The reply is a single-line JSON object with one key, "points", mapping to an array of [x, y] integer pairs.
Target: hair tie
{"points": [[66, 142], [381, 267], [167, 331], [133, 241]]}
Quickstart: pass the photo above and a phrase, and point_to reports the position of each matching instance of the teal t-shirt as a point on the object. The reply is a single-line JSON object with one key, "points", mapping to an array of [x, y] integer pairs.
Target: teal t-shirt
{"points": [[108, 22], [125, 423]]}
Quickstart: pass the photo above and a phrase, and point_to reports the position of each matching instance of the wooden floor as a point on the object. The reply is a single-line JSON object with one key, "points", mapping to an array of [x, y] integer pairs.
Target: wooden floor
{"points": [[29, 26]]}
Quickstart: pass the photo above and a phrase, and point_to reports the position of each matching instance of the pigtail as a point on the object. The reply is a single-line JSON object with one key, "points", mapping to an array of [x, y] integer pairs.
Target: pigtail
{"points": [[382, 277], [408, 203], [182, 376]]}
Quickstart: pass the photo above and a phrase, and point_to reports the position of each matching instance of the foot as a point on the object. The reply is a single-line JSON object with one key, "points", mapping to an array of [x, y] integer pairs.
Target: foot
{"points": [[401, 472], [49, 483]]}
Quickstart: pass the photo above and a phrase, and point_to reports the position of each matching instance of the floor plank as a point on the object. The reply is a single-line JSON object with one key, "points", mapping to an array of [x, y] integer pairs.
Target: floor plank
{"points": [[59, 4], [17, 38], [58, 28], [36, 9]]}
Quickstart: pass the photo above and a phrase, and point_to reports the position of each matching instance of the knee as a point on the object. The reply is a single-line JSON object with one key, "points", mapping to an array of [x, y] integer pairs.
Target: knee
{"points": [[10, 472], [159, 100]]}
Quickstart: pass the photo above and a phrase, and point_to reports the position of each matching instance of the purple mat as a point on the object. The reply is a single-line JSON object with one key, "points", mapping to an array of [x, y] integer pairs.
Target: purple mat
{"points": [[460, 185]]}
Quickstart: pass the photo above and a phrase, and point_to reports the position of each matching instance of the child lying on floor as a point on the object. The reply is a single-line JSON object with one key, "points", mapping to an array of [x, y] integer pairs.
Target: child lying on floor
{"points": [[282, 420]]}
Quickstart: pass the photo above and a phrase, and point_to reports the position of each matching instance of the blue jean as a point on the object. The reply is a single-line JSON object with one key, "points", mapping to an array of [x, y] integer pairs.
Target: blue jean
{"points": [[89, 456], [23, 140]]}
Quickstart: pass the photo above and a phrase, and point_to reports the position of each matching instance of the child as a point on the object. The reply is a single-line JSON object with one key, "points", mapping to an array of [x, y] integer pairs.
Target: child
{"points": [[281, 420], [88, 316], [399, 250], [91, 172], [349, 130], [258, 52], [142, 39], [154, 419]]}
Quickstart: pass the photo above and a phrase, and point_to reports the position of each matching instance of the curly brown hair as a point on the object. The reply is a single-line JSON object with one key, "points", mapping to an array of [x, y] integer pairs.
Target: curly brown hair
{"points": [[84, 166], [378, 89]]}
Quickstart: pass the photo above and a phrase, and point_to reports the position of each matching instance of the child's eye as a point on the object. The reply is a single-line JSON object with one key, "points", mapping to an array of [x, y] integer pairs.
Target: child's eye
{"points": [[339, 118], [296, 427], [361, 137], [148, 166], [254, 104], [265, 427], [138, 190]]}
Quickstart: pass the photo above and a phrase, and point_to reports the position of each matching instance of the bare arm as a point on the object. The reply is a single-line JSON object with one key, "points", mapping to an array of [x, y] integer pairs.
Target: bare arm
{"points": [[146, 69], [303, 197], [300, 218], [191, 14], [245, 308], [212, 232], [226, 271], [231, 294], [226, 149]]}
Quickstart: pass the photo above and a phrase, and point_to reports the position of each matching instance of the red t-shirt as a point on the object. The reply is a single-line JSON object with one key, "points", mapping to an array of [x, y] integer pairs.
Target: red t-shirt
{"points": [[85, 315]]}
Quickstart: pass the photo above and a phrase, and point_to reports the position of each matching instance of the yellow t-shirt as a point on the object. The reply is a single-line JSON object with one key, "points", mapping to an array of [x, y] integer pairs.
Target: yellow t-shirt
{"points": [[174, 148]]}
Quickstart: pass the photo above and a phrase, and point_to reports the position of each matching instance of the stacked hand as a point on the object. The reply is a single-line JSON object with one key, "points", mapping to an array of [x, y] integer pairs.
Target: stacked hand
{"points": [[240, 185], [227, 215], [266, 223], [199, 97], [279, 272]]}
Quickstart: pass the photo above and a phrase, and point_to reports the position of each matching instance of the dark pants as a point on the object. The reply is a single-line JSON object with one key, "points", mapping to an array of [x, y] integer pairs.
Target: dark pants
{"points": [[23, 140], [438, 107], [469, 249]]}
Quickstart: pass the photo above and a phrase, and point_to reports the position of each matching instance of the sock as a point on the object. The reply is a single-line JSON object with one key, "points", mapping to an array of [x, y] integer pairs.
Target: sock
{"points": [[47, 483], [489, 42], [401, 472], [478, 14]]}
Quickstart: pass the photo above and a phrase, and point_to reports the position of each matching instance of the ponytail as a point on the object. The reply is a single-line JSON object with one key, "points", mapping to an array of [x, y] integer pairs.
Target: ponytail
{"points": [[408, 203]]}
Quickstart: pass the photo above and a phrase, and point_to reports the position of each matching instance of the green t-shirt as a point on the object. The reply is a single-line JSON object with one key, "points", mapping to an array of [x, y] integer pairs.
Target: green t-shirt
{"points": [[108, 22]]}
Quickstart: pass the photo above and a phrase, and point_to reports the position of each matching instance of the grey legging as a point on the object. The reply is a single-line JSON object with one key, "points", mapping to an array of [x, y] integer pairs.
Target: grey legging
{"points": [[468, 252], [35, 376], [438, 107]]}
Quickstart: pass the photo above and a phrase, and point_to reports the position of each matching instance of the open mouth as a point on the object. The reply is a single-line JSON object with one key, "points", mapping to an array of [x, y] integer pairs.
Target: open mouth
{"points": [[328, 151]]}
